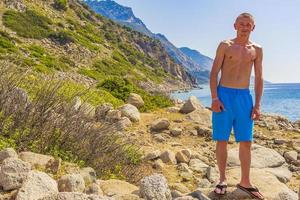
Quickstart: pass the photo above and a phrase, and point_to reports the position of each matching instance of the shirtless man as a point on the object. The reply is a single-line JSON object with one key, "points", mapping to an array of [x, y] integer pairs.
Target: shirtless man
{"points": [[232, 104]]}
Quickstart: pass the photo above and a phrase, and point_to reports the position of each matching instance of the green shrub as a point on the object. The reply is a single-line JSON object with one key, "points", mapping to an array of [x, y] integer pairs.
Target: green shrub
{"points": [[61, 37], [6, 45], [61, 4], [28, 24]]}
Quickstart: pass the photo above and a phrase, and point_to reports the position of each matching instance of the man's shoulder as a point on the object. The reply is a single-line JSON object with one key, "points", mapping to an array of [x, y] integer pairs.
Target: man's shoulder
{"points": [[256, 45], [226, 42]]}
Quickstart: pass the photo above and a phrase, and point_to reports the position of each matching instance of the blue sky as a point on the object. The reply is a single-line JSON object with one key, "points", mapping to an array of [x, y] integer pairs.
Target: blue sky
{"points": [[202, 24]]}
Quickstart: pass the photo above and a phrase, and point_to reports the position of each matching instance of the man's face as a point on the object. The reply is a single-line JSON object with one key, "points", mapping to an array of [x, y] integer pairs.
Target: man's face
{"points": [[244, 26]]}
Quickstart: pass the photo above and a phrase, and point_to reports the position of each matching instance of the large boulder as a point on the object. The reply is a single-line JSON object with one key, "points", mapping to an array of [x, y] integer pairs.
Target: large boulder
{"points": [[13, 172], [88, 174], [36, 186], [190, 105], [160, 124], [135, 100], [35, 159], [7, 153], [71, 183], [117, 187], [131, 112], [261, 157], [155, 187]]}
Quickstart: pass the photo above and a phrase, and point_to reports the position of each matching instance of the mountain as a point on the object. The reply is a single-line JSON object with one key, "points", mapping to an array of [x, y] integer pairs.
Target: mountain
{"points": [[125, 16], [205, 61]]}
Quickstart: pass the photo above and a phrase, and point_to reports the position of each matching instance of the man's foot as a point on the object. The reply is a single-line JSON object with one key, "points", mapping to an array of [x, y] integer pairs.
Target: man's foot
{"points": [[252, 191], [221, 188]]}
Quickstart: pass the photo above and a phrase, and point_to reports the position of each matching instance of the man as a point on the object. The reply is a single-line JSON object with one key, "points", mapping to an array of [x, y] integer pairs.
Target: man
{"points": [[232, 104]]}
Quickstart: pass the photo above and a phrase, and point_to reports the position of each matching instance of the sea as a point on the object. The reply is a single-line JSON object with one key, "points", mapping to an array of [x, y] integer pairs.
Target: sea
{"points": [[278, 98]]}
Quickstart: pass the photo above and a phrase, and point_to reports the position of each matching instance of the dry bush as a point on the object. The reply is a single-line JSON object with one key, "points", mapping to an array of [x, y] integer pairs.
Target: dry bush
{"points": [[48, 123]]}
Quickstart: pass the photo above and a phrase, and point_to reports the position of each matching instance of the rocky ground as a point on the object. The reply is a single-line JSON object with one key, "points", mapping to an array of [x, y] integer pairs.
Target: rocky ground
{"points": [[176, 141]]}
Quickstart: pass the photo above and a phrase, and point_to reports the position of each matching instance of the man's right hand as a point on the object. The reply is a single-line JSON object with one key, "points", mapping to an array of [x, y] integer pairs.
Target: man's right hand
{"points": [[217, 106]]}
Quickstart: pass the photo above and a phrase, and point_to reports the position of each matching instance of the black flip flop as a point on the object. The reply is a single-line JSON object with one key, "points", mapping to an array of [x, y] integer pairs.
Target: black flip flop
{"points": [[250, 191], [221, 188]]}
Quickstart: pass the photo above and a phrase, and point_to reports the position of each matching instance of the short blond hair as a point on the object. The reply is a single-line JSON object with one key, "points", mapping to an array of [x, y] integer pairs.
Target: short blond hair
{"points": [[246, 15]]}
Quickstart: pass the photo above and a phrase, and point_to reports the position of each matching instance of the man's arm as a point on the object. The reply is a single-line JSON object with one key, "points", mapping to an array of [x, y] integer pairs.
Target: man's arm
{"points": [[258, 83], [220, 54]]}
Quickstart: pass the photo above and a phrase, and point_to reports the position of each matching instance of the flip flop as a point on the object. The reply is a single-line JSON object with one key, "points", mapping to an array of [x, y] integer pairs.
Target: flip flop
{"points": [[221, 188], [250, 190]]}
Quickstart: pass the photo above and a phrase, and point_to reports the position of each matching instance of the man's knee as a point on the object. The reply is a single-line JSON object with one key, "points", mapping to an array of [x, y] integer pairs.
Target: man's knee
{"points": [[222, 143], [245, 144]]}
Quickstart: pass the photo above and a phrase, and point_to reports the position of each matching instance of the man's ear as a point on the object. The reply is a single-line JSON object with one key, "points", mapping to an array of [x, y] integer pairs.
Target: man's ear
{"points": [[253, 28]]}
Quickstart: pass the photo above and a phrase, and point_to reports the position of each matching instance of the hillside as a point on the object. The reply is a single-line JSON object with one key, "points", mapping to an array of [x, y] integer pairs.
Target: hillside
{"points": [[71, 41], [125, 16]]}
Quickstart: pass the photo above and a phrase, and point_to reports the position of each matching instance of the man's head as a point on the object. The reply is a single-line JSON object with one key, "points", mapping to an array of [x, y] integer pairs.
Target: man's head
{"points": [[244, 24]]}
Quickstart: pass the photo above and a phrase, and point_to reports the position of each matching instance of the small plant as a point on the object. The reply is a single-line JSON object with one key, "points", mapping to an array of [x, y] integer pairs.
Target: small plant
{"points": [[28, 24], [61, 4], [61, 38]]}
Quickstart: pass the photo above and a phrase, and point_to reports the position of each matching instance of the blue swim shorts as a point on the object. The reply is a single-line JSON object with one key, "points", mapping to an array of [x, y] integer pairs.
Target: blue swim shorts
{"points": [[238, 105]]}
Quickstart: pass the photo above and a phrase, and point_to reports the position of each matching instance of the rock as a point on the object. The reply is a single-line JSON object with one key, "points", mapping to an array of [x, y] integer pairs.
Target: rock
{"points": [[199, 195], [280, 141], [261, 157], [190, 105], [290, 156], [88, 174], [152, 155], [159, 138], [131, 112], [176, 131], [186, 176], [135, 100], [202, 117], [15, 4], [76, 103], [155, 187], [296, 145], [13, 172], [113, 116], [126, 197], [203, 183], [160, 124], [117, 187], [17, 98], [36, 186], [168, 157], [75, 196], [7, 153], [158, 164], [54, 165], [203, 132], [71, 183], [179, 187], [183, 156], [198, 166], [183, 167], [35, 159], [274, 122], [93, 189], [122, 124], [282, 173], [212, 174], [269, 185], [102, 110]]}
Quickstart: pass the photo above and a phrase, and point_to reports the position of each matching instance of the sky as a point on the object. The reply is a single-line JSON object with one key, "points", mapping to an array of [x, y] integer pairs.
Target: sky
{"points": [[202, 24]]}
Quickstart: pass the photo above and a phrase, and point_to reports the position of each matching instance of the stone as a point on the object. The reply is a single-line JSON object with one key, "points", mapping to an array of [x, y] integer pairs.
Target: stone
{"points": [[203, 132], [201, 117], [158, 164], [160, 124], [7, 153], [117, 187], [88, 174], [131, 112], [290, 156], [212, 174], [122, 124], [190, 105], [71, 183], [282, 173], [168, 157], [176, 131], [126, 197], [102, 110], [173, 109], [183, 156], [198, 165], [179, 187], [135, 100], [13, 172], [113, 116], [261, 157], [93, 189], [155, 187], [152, 155], [36, 186], [203, 183], [159, 138], [35, 159]]}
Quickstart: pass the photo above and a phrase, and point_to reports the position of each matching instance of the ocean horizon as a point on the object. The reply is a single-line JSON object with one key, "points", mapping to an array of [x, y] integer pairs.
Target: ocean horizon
{"points": [[278, 98]]}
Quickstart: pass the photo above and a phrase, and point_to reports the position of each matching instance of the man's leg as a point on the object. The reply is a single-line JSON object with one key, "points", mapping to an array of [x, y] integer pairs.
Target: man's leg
{"points": [[245, 158], [221, 155]]}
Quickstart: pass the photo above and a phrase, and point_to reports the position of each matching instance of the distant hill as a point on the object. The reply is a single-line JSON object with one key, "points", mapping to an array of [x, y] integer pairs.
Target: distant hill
{"points": [[125, 16]]}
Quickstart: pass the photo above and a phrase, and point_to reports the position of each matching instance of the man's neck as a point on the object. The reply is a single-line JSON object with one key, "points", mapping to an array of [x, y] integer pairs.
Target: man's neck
{"points": [[241, 40]]}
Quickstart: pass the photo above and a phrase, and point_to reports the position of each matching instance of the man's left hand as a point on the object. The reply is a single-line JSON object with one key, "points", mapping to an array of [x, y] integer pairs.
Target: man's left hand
{"points": [[255, 114]]}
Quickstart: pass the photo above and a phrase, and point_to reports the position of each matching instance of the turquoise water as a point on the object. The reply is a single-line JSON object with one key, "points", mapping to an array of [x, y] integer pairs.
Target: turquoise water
{"points": [[279, 98]]}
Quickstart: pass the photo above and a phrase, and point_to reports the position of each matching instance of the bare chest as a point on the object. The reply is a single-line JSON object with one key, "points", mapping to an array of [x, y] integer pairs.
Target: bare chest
{"points": [[240, 54]]}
